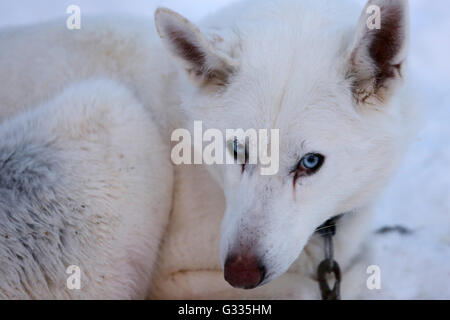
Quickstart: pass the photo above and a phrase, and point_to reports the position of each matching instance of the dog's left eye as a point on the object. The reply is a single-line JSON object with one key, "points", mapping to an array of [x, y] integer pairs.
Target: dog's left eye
{"points": [[309, 164], [311, 161]]}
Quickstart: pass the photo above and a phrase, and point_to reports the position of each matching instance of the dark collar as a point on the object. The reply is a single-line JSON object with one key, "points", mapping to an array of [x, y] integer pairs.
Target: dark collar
{"points": [[329, 227]]}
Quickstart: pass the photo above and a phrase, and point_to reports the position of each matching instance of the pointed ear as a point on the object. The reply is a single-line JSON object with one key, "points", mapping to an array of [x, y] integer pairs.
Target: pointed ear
{"points": [[379, 50], [204, 63]]}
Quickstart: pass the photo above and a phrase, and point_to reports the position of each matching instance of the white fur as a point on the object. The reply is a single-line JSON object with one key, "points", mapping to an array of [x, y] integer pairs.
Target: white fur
{"points": [[291, 58], [269, 64], [78, 188]]}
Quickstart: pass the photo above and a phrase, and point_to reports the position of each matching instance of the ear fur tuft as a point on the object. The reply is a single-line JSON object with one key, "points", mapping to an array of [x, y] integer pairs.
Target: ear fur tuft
{"points": [[378, 55], [204, 63]]}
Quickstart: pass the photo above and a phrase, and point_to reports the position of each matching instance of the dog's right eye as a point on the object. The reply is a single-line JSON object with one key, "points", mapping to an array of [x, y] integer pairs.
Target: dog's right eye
{"points": [[240, 152], [237, 149]]}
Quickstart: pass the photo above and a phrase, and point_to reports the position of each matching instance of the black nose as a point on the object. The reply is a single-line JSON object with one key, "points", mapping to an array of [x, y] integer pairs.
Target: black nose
{"points": [[244, 271]]}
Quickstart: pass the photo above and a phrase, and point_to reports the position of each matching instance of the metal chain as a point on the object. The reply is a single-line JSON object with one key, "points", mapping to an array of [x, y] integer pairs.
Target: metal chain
{"points": [[329, 265]]}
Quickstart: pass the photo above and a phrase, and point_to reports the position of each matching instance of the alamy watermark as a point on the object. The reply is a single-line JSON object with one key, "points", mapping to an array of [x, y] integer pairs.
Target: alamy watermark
{"points": [[73, 22], [73, 282], [236, 147], [374, 20], [374, 280]]}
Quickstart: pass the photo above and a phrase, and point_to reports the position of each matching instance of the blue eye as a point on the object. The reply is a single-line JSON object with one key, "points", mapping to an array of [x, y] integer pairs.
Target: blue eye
{"points": [[240, 153], [236, 147], [308, 165], [311, 162], [240, 150]]}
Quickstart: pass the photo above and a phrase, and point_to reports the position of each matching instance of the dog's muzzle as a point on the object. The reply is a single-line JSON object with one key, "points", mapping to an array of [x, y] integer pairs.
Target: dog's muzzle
{"points": [[244, 271]]}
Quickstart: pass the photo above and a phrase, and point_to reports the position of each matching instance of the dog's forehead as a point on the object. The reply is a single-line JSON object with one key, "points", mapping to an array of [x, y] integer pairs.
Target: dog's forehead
{"points": [[289, 94], [290, 59], [284, 69], [290, 79]]}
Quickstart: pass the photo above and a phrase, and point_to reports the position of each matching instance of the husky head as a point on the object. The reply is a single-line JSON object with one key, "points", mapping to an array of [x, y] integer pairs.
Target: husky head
{"points": [[327, 82]]}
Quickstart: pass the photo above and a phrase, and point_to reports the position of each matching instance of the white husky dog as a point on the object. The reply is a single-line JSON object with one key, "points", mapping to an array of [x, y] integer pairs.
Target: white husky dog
{"points": [[331, 85]]}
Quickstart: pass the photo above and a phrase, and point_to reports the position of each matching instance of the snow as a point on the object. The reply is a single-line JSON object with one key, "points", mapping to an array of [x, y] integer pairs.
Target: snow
{"points": [[417, 266], [413, 266]]}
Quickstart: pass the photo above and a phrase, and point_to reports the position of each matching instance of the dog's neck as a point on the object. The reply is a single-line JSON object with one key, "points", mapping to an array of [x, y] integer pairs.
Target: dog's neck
{"points": [[352, 230]]}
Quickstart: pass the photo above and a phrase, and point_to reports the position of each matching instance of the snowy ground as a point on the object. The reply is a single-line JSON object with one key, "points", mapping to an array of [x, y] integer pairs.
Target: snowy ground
{"points": [[415, 265]]}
